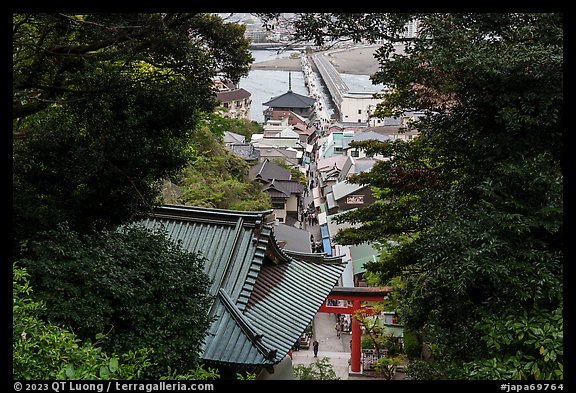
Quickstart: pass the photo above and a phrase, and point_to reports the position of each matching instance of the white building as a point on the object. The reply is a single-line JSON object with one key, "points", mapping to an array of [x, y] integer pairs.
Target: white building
{"points": [[357, 107], [235, 101]]}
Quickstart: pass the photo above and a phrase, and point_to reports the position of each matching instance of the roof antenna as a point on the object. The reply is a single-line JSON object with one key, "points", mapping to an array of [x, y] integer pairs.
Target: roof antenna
{"points": [[289, 82]]}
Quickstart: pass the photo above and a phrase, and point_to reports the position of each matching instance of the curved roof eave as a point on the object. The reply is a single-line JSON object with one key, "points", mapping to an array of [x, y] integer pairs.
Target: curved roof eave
{"points": [[265, 296]]}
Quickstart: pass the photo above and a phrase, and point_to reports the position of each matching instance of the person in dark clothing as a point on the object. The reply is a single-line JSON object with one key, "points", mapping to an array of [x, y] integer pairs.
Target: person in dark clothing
{"points": [[315, 347], [296, 346]]}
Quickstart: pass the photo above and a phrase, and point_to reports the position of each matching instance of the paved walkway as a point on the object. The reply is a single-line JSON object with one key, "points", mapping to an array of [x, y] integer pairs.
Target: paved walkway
{"points": [[337, 349], [330, 346], [307, 200]]}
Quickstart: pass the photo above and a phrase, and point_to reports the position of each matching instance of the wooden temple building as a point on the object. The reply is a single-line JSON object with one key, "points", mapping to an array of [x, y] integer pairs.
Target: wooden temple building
{"points": [[265, 297]]}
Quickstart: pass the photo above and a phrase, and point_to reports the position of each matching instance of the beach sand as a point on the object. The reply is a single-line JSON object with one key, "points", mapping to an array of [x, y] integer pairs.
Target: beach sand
{"points": [[357, 61], [283, 64]]}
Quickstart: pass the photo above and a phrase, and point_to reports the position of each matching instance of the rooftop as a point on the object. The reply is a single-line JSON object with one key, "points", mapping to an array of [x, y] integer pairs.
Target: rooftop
{"points": [[290, 100], [264, 296]]}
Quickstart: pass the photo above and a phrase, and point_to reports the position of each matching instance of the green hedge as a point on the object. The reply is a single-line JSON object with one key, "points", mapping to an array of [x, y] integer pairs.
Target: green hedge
{"points": [[412, 346]]}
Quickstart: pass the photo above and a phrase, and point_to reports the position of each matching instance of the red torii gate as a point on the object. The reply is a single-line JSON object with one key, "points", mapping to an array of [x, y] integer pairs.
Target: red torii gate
{"points": [[356, 295]]}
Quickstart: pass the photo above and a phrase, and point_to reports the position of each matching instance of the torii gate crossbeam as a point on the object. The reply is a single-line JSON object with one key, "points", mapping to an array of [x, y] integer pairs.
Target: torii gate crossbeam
{"points": [[356, 295]]}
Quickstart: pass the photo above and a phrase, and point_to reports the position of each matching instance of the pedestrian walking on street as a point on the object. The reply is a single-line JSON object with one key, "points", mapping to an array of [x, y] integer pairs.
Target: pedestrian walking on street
{"points": [[315, 347], [296, 346]]}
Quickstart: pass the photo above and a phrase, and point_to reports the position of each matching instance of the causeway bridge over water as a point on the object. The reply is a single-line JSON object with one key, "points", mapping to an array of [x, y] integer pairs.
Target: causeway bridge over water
{"points": [[331, 77]]}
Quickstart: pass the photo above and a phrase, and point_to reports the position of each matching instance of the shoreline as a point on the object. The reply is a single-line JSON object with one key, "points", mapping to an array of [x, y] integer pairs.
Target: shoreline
{"points": [[356, 61], [284, 64]]}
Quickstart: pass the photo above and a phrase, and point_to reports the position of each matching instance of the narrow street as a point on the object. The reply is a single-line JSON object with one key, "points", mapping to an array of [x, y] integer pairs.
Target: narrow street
{"points": [[308, 200], [330, 346], [334, 346], [337, 349]]}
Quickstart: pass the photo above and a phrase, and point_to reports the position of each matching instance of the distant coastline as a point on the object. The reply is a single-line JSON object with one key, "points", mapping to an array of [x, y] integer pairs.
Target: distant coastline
{"points": [[283, 64], [357, 61]]}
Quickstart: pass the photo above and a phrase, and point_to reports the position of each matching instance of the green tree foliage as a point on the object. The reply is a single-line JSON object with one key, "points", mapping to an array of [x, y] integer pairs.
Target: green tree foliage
{"points": [[375, 336], [42, 350], [104, 106], [475, 203], [217, 178], [135, 286], [387, 366], [412, 192], [525, 347], [104, 109], [247, 376], [321, 370], [411, 345], [244, 127], [200, 373], [371, 326]]}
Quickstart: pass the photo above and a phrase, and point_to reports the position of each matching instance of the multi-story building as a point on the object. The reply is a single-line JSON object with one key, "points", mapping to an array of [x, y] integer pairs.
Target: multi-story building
{"points": [[235, 101], [285, 192]]}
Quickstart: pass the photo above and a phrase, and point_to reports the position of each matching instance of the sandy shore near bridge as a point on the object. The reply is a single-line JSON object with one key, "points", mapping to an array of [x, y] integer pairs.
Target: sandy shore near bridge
{"points": [[357, 61]]}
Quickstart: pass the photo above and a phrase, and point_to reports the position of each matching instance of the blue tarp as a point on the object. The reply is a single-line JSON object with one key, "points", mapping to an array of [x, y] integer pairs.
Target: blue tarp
{"points": [[327, 248], [326, 240]]}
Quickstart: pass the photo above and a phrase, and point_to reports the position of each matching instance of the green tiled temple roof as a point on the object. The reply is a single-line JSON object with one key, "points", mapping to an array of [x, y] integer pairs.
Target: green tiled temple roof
{"points": [[265, 297]]}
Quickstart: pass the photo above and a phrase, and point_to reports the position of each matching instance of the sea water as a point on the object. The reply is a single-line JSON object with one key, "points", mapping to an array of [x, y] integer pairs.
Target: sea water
{"points": [[263, 85]]}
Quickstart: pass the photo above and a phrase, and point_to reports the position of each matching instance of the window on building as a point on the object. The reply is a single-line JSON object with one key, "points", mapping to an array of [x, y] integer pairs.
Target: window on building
{"points": [[278, 205]]}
